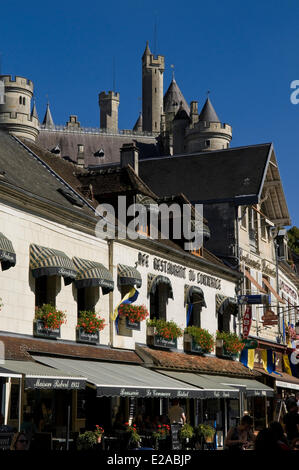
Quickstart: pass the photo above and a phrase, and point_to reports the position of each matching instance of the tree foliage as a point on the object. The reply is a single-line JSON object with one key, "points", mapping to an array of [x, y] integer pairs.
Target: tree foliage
{"points": [[293, 235]]}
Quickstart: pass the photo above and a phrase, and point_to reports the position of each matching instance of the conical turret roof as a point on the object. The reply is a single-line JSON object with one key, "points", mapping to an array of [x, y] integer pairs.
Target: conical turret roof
{"points": [[48, 120], [208, 113], [138, 124], [147, 50], [34, 112], [174, 98]]}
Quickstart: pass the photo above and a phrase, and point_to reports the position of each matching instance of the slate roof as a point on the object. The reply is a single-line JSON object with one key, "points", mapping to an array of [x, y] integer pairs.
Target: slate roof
{"points": [[208, 113], [174, 98], [25, 172], [208, 176], [68, 142]]}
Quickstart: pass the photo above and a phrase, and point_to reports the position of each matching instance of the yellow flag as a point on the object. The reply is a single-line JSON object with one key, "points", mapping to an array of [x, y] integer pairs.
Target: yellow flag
{"points": [[286, 364], [250, 362], [264, 359], [131, 293]]}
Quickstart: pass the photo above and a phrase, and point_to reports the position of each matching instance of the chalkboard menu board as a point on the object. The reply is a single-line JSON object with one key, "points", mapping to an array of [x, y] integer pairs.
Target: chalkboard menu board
{"points": [[176, 443]]}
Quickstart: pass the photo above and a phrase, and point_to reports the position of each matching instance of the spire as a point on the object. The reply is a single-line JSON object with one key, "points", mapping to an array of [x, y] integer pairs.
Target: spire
{"points": [[138, 124], [208, 112], [34, 112], [147, 50], [48, 120], [174, 98]]}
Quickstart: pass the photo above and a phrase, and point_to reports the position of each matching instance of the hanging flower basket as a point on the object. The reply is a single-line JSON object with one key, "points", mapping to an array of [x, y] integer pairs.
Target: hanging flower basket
{"points": [[48, 320]]}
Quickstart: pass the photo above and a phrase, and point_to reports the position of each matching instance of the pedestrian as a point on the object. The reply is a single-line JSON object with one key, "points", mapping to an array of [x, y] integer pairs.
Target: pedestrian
{"points": [[19, 442], [280, 437], [176, 414], [240, 437], [266, 441], [291, 420]]}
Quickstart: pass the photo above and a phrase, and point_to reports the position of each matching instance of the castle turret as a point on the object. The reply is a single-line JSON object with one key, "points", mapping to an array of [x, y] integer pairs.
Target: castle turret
{"points": [[15, 107], [109, 104], [152, 90], [207, 133], [48, 120]]}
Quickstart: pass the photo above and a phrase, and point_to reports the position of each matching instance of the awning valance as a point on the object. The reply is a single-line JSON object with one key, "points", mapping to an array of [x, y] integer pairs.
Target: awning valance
{"points": [[189, 299], [226, 304], [49, 262], [7, 253], [124, 380], [128, 276], [91, 273], [251, 387], [210, 385], [154, 281], [42, 377]]}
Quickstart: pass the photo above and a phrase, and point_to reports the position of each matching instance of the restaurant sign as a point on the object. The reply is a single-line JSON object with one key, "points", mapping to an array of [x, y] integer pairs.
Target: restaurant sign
{"points": [[177, 270], [50, 383], [148, 392]]}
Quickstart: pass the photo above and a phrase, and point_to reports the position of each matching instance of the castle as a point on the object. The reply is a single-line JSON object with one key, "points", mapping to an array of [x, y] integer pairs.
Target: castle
{"points": [[166, 126]]}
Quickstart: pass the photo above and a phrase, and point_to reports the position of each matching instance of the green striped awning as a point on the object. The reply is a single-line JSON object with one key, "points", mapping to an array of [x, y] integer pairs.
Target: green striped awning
{"points": [[153, 281], [226, 304], [91, 273], [128, 276], [190, 290], [7, 253], [49, 262]]}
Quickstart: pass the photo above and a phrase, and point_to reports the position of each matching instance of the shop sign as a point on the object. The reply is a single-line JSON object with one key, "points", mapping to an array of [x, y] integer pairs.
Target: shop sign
{"points": [[46, 383], [88, 338], [146, 392], [39, 330], [177, 270], [283, 286], [165, 343], [132, 325], [270, 318], [259, 265], [250, 343], [247, 319], [254, 299]]}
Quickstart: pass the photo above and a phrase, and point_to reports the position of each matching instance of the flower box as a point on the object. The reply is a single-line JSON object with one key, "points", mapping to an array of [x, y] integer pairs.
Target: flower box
{"points": [[153, 339], [231, 339], [190, 345], [86, 337], [132, 325], [41, 331]]}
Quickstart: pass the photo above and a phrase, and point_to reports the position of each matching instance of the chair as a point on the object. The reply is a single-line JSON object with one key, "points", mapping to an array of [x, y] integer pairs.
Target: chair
{"points": [[5, 440]]}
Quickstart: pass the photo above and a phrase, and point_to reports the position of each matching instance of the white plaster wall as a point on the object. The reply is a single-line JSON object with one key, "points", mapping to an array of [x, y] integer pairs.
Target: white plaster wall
{"points": [[17, 283], [176, 310]]}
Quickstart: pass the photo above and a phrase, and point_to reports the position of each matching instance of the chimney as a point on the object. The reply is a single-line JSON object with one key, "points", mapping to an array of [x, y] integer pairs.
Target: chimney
{"points": [[194, 111], [129, 155], [80, 156]]}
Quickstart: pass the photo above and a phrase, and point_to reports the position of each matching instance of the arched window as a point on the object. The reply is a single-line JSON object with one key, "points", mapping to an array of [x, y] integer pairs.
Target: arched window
{"points": [[24, 101], [160, 290], [20, 100]]}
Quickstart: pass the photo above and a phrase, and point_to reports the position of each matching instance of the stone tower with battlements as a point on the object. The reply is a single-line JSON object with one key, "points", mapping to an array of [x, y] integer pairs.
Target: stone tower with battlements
{"points": [[152, 90], [16, 116], [109, 103]]}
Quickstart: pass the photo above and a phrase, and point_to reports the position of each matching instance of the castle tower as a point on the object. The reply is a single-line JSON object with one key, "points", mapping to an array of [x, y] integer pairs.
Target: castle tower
{"points": [[15, 108], [109, 104], [152, 90], [207, 133]]}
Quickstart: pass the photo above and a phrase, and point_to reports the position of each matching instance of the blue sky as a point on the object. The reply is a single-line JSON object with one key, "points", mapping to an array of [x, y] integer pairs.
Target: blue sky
{"points": [[245, 53]]}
